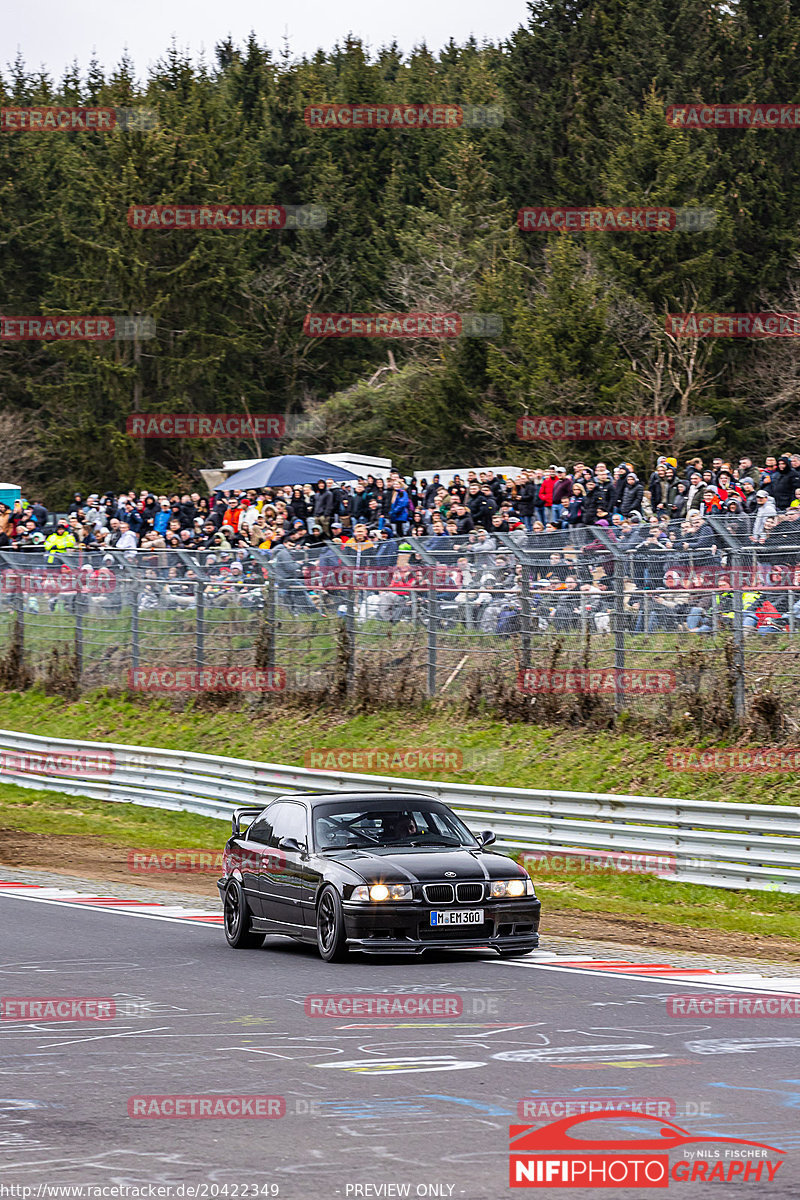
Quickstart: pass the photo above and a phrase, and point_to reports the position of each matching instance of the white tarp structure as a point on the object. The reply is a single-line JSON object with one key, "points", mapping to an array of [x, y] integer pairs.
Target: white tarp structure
{"points": [[447, 474]]}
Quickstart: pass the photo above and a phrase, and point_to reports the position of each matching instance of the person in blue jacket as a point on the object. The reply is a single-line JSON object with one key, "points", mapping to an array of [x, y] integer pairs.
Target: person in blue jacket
{"points": [[400, 510]]}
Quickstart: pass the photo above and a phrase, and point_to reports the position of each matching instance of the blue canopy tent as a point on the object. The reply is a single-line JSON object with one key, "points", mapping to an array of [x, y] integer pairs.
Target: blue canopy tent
{"points": [[285, 469]]}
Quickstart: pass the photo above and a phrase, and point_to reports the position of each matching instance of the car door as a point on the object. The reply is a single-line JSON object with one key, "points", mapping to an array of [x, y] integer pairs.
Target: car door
{"points": [[281, 869], [255, 843]]}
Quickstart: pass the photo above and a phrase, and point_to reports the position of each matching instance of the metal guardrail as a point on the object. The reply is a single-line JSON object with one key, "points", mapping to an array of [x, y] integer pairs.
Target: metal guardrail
{"points": [[723, 845]]}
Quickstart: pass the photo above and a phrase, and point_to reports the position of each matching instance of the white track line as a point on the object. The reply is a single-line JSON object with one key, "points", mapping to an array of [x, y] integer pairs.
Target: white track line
{"points": [[540, 960]]}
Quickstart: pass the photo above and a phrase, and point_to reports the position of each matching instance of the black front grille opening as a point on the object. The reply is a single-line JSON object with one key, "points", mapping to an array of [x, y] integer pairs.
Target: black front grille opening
{"points": [[455, 933], [523, 929], [439, 893], [469, 892], [505, 930]]}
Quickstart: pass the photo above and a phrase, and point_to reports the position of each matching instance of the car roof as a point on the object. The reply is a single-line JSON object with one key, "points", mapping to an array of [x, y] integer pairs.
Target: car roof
{"points": [[314, 798]]}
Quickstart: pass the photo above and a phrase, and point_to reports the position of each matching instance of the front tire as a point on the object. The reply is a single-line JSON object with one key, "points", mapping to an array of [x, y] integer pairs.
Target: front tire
{"points": [[515, 953], [331, 937], [236, 919]]}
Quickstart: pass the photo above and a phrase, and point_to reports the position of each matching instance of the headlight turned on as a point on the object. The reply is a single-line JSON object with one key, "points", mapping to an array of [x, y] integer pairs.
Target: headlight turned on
{"points": [[382, 891], [512, 888]]}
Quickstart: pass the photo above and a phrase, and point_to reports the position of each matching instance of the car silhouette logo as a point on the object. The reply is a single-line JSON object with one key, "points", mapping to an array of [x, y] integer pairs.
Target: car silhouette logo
{"points": [[449, 874], [557, 1136]]}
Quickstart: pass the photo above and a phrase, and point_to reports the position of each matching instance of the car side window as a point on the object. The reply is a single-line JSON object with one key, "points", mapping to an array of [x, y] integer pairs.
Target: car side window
{"points": [[260, 831], [288, 821]]}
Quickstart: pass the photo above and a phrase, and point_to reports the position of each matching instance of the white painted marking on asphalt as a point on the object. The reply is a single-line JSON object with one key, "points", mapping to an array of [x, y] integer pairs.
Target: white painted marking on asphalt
{"points": [[750, 983], [126, 912]]}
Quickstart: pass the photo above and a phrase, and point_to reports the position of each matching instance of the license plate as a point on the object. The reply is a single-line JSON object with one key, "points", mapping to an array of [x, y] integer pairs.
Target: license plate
{"points": [[457, 916]]}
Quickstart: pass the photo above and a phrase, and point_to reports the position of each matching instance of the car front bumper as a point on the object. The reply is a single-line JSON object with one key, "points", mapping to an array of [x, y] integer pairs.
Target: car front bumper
{"points": [[382, 928]]}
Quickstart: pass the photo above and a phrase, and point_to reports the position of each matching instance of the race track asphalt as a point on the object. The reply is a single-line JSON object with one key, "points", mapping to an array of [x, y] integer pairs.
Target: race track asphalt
{"points": [[373, 1105]]}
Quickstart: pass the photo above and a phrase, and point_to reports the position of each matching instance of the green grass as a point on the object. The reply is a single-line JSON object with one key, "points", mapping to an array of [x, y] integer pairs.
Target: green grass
{"points": [[127, 826], [767, 914], [507, 754], [123, 825]]}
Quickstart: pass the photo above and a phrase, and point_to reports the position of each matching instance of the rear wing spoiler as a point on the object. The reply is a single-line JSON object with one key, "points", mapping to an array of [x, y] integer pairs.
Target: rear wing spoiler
{"points": [[238, 813]]}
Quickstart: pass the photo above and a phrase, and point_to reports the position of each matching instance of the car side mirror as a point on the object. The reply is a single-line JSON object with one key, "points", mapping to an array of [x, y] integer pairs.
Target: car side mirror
{"points": [[486, 837], [293, 845]]}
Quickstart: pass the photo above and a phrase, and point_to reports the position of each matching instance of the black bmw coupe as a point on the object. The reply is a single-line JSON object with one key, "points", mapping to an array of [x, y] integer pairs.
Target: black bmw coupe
{"points": [[381, 873]]}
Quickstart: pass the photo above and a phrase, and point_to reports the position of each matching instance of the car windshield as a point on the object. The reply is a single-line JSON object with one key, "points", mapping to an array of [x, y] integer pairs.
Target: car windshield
{"points": [[341, 827]]}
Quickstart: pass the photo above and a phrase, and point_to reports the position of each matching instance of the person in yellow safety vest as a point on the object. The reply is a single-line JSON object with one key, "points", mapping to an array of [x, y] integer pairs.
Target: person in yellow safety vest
{"points": [[750, 602], [62, 541]]}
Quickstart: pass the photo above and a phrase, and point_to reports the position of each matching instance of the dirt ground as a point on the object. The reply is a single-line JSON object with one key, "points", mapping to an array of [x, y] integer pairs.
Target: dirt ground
{"points": [[91, 858]]}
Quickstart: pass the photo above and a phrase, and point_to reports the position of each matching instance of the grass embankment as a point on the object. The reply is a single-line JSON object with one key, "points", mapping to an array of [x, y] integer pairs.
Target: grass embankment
{"points": [[498, 753], [505, 755]]}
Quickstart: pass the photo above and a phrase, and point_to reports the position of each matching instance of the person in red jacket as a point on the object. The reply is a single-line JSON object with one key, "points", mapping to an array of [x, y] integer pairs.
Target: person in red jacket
{"points": [[546, 492], [233, 514]]}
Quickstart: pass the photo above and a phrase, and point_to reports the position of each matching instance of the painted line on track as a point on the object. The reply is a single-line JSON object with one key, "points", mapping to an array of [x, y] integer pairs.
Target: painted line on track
{"points": [[539, 960]]}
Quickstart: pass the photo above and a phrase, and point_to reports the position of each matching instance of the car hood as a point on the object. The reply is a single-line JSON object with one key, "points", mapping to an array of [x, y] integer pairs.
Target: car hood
{"points": [[395, 865]]}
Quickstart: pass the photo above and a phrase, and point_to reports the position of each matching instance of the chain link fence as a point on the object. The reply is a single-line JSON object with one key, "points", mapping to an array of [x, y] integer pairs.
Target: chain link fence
{"points": [[653, 618]]}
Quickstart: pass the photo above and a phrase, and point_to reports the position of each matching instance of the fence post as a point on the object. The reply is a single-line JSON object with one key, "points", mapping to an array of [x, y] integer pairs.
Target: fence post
{"points": [[350, 626], [737, 662], [269, 615], [199, 627], [739, 703], [19, 633], [619, 632], [134, 625], [525, 607], [80, 600], [433, 622], [619, 616]]}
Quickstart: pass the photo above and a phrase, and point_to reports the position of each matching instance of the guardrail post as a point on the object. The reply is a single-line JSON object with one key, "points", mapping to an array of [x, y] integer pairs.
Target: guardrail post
{"points": [[433, 629]]}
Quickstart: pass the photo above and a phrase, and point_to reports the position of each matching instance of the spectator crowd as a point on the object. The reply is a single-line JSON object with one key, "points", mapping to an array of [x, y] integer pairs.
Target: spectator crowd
{"points": [[575, 521]]}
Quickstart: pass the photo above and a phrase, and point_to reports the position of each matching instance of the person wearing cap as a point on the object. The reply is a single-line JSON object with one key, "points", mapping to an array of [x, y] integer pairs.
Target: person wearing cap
{"points": [[712, 501], [631, 495], [60, 542], [766, 509]]}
